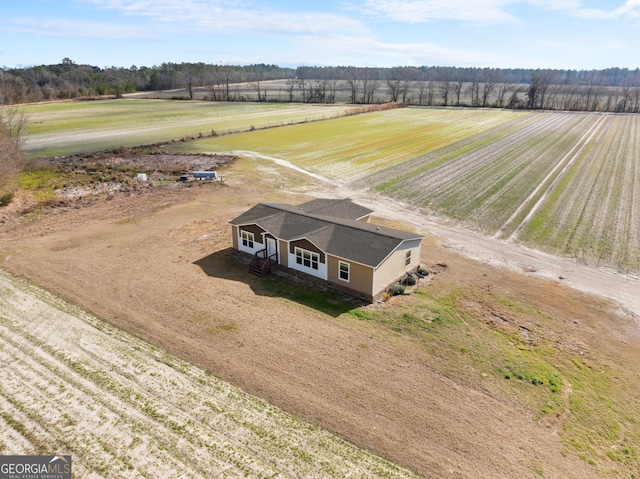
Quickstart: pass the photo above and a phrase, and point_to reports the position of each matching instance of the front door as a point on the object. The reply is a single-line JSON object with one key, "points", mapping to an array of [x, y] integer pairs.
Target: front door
{"points": [[272, 247]]}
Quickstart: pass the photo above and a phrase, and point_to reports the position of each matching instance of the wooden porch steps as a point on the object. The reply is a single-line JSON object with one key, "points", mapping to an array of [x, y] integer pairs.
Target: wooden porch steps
{"points": [[260, 265]]}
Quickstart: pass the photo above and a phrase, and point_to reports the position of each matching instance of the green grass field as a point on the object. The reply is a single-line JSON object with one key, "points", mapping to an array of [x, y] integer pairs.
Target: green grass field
{"points": [[58, 129], [353, 147]]}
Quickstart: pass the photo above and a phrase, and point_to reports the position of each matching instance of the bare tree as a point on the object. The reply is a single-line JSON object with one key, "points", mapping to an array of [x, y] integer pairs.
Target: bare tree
{"points": [[219, 78], [395, 88], [333, 87], [399, 81], [12, 126], [256, 76], [290, 86], [502, 90], [457, 87], [474, 91], [353, 84], [488, 86], [444, 87], [422, 93], [514, 99], [431, 87], [192, 77], [409, 76], [636, 98], [370, 83], [545, 79], [14, 123]]}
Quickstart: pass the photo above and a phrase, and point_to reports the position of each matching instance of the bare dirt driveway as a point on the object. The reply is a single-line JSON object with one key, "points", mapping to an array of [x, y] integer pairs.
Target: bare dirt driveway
{"points": [[159, 266]]}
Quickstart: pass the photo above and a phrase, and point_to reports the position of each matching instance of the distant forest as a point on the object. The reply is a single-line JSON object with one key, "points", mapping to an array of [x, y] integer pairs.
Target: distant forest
{"points": [[612, 89]]}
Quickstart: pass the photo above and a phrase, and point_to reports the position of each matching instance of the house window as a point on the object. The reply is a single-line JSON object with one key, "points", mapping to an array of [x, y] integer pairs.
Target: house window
{"points": [[343, 271], [407, 258], [307, 258], [247, 239]]}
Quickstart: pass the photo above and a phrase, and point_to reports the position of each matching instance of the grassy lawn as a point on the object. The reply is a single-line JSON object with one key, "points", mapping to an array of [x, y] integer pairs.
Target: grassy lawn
{"points": [[590, 400]]}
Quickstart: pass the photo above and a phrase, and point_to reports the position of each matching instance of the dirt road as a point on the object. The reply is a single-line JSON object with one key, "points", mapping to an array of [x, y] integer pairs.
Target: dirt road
{"points": [[623, 289]]}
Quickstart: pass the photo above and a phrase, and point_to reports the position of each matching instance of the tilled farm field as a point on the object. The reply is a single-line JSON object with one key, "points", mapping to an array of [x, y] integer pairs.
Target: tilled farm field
{"points": [[73, 384], [564, 182]]}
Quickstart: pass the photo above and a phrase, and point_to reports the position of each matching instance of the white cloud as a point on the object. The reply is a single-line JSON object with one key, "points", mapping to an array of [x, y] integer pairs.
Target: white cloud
{"points": [[366, 51], [417, 11], [488, 11], [220, 16], [62, 27], [630, 8]]}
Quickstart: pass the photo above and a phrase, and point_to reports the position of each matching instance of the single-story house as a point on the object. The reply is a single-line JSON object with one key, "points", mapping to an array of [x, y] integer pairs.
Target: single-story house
{"points": [[328, 239]]}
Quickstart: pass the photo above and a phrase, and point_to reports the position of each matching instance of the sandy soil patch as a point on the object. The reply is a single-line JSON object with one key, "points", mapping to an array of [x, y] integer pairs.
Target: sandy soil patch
{"points": [[123, 408]]}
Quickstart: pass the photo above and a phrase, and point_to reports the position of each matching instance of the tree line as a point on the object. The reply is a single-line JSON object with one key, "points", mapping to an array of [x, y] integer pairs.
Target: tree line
{"points": [[612, 89], [68, 80]]}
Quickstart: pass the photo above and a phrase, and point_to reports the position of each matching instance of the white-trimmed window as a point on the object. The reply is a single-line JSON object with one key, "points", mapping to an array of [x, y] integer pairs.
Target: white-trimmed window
{"points": [[307, 258], [407, 258], [247, 239], [344, 271]]}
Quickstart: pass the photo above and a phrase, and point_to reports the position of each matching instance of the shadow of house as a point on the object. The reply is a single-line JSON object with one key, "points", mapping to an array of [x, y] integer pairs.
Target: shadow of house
{"points": [[230, 265]]}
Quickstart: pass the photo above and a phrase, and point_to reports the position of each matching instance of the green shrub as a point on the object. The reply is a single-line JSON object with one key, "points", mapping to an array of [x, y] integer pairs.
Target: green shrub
{"points": [[422, 271], [6, 199], [410, 280], [396, 290]]}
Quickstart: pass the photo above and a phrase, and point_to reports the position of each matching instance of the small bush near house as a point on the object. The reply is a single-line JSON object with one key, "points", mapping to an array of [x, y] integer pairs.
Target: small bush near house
{"points": [[6, 199], [422, 271], [396, 290], [410, 280]]}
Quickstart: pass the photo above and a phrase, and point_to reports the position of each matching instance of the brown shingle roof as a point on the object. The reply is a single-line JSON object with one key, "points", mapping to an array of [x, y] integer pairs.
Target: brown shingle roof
{"points": [[346, 238], [338, 208]]}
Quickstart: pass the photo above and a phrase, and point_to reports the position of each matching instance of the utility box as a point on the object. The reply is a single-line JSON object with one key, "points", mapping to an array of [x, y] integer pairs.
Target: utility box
{"points": [[205, 175]]}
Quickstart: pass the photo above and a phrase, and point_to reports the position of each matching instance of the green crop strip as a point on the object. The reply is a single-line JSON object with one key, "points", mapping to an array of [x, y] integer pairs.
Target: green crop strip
{"points": [[70, 128]]}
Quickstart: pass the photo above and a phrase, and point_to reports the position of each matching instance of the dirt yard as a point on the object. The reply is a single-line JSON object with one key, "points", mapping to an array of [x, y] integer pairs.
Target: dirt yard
{"points": [[123, 408], [158, 265]]}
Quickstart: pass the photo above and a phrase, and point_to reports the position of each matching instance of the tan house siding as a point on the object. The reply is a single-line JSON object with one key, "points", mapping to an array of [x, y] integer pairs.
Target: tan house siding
{"points": [[234, 237], [283, 257], [394, 267], [360, 276]]}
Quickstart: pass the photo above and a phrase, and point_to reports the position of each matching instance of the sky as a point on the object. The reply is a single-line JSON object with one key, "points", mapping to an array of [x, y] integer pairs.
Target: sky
{"points": [[561, 34]]}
